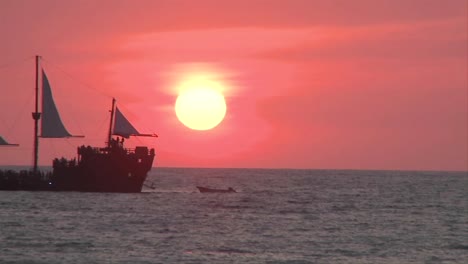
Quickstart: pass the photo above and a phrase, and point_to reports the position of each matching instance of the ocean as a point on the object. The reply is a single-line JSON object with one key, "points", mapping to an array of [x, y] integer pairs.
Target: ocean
{"points": [[276, 216]]}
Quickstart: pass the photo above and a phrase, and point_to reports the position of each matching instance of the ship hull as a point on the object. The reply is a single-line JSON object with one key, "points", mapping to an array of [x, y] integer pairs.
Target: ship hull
{"points": [[97, 170], [24, 181]]}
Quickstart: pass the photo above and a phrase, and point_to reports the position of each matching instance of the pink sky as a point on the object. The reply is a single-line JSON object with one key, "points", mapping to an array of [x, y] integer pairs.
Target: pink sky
{"points": [[371, 84]]}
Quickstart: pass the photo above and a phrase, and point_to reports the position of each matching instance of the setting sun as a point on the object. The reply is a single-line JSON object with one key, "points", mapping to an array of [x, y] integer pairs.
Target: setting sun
{"points": [[200, 108]]}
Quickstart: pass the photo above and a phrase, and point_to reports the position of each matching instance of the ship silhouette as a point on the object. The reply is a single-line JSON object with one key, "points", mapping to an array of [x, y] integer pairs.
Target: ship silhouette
{"points": [[112, 168]]}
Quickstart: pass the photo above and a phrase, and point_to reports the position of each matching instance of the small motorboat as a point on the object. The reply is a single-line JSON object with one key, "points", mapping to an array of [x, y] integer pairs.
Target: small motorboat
{"points": [[210, 190]]}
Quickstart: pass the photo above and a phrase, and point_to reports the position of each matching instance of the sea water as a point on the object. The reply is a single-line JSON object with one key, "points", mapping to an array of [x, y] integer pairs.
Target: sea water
{"points": [[276, 216]]}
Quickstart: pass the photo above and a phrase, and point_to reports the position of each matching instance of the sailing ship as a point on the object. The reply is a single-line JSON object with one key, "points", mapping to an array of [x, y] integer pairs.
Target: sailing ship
{"points": [[112, 168]]}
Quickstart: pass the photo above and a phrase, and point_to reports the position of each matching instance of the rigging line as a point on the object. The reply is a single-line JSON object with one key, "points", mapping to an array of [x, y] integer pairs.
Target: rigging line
{"points": [[102, 123], [75, 79], [53, 147], [79, 81], [21, 112], [3, 125], [140, 141], [141, 127], [73, 116], [14, 63], [72, 147]]}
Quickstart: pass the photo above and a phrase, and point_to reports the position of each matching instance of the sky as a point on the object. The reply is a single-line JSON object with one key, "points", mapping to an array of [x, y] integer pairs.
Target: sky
{"points": [[320, 84]]}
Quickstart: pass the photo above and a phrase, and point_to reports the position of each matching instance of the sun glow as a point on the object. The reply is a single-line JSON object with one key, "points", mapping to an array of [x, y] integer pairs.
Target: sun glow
{"points": [[200, 104]]}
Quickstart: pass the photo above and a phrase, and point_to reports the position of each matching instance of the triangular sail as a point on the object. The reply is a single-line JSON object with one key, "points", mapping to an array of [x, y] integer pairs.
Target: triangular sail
{"points": [[122, 127], [52, 126], [3, 142]]}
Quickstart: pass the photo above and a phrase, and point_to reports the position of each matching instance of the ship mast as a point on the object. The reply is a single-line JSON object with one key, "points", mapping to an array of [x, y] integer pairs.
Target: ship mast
{"points": [[109, 137], [36, 116]]}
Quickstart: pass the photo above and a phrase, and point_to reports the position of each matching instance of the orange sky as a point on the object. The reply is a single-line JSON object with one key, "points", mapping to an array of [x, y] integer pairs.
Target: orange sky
{"points": [[370, 84]]}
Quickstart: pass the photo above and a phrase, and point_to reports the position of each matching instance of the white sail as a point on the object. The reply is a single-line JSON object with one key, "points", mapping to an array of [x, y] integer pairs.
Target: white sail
{"points": [[122, 127], [51, 126], [3, 142]]}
